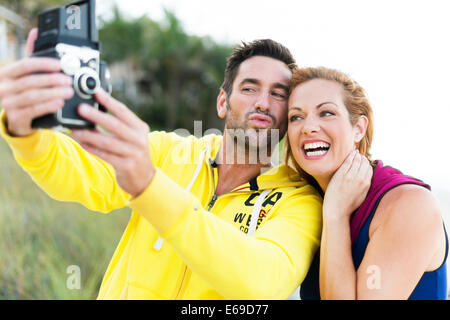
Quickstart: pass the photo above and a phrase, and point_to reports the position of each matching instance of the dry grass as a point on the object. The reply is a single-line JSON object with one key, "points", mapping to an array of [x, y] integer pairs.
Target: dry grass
{"points": [[40, 238]]}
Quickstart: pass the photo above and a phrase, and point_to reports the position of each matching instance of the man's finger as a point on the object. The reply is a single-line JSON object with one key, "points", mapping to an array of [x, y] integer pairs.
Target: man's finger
{"points": [[118, 109], [23, 116], [34, 81], [114, 125], [104, 142], [47, 107], [35, 96], [32, 36], [30, 65]]}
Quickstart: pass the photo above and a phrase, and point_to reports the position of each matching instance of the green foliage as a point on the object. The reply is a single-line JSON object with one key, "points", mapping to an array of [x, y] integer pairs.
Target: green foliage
{"points": [[40, 238], [179, 74], [120, 38]]}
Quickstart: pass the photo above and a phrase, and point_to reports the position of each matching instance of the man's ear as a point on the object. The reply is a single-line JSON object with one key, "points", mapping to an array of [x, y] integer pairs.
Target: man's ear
{"points": [[360, 128], [222, 104]]}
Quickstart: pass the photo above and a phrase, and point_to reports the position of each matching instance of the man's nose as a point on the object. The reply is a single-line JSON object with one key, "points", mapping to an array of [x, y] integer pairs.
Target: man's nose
{"points": [[263, 102]]}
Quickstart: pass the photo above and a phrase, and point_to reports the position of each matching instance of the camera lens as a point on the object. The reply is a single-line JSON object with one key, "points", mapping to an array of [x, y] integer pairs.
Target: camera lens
{"points": [[91, 83], [86, 82]]}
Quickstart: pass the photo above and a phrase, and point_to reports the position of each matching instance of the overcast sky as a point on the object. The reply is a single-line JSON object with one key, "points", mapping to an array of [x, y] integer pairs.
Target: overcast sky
{"points": [[399, 51]]}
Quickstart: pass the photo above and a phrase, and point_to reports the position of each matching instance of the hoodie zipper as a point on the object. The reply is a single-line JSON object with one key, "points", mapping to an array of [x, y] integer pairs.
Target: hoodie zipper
{"points": [[214, 196], [211, 203]]}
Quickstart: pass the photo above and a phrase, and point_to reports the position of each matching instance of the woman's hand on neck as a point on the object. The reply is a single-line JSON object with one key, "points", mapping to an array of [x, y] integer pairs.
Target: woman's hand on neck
{"points": [[348, 187]]}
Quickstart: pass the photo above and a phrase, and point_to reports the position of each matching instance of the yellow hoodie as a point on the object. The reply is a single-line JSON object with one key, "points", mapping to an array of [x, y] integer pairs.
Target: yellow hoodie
{"points": [[181, 242]]}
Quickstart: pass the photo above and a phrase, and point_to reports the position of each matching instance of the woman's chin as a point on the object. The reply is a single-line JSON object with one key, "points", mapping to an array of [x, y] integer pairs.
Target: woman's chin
{"points": [[318, 171]]}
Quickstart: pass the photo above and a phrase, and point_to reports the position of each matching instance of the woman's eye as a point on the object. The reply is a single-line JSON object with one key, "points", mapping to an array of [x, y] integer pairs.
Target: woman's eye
{"points": [[248, 90], [326, 114], [294, 118]]}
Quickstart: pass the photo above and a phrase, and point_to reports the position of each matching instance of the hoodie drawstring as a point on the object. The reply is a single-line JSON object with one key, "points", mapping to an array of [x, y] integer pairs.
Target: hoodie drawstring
{"points": [[256, 211]]}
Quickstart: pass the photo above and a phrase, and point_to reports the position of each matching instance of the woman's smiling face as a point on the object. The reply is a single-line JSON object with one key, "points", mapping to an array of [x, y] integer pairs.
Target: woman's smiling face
{"points": [[320, 133]]}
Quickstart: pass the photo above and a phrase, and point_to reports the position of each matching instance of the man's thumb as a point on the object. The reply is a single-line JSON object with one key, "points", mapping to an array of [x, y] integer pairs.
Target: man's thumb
{"points": [[32, 36]]}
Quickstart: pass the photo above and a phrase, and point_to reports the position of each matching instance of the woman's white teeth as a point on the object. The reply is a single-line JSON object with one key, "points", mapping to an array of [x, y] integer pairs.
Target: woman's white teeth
{"points": [[316, 153], [316, 148], [316, 145]]}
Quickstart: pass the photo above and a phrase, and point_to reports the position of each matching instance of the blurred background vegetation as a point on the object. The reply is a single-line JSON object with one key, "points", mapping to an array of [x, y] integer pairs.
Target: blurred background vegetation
{"points": [[169, 78], [175, 77], [40, 238]]}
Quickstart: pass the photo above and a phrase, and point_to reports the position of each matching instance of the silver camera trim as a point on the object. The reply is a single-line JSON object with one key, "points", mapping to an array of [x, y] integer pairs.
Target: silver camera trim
{"points": [[85, 71], [87, 56], [70, 64]]}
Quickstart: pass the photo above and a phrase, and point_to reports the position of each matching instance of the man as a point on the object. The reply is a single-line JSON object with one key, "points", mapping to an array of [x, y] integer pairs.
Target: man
{"points": [[204, 225]]}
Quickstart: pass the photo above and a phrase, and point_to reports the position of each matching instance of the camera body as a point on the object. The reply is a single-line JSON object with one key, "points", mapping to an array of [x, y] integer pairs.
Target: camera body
{"points": [[69, 33]]}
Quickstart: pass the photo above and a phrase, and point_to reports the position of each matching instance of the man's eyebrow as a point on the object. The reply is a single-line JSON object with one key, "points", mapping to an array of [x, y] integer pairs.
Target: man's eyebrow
{"points": [[249, 80], [277, 85]]}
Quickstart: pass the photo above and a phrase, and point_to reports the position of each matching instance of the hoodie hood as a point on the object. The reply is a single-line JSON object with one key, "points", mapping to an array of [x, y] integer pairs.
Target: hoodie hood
{"points": [[275, 177]]}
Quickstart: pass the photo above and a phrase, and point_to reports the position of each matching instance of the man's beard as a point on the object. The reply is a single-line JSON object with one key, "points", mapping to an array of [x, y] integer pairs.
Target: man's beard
{"points": [[253, 145]]}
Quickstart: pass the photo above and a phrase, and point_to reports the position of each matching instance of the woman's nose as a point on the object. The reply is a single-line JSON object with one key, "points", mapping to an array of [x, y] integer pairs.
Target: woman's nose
{"points": [[310, 126]]}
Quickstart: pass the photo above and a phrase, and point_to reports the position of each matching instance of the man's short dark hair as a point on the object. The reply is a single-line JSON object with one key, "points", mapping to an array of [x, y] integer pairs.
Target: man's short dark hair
{"points": [[263, 47]]}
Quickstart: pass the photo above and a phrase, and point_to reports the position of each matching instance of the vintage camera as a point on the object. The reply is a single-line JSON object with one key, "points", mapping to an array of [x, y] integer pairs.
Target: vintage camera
{"points": [[69, 33]]}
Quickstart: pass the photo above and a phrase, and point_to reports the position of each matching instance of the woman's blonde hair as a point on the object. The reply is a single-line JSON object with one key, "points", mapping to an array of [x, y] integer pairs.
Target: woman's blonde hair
{"points": [[355, 100]]}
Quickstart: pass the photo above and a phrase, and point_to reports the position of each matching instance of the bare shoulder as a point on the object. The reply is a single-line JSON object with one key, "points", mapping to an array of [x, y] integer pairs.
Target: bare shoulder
{"points": [[409, 216], [407, 240], [409, 206]]}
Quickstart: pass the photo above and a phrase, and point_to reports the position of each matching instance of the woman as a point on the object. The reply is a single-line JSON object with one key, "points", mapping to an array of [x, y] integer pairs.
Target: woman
{"points": [[383, 241]]}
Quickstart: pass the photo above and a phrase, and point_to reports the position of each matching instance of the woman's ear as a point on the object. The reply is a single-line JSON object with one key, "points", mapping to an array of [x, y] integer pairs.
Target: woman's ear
{"points": [[360, 128], [222, 104]]}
